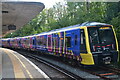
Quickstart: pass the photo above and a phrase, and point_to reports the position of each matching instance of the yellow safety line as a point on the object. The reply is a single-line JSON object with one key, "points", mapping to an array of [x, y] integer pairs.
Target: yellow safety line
{"points": [[22, 65], [18, 72]]}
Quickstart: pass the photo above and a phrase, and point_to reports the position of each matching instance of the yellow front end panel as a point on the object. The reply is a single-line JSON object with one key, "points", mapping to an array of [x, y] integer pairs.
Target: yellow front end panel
{"points": [[87, 59]]}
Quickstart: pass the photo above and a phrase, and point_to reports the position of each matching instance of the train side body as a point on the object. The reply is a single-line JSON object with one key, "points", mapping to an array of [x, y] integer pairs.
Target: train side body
{"points": [[86, 43]]}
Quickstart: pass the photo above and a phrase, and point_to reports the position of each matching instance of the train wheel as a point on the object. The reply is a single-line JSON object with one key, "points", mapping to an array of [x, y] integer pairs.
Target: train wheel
{"points": [[79, 64], [72, 62]]}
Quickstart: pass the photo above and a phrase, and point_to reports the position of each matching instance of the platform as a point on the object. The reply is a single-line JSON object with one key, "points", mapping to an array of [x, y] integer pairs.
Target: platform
{"points": [[14, 65]]}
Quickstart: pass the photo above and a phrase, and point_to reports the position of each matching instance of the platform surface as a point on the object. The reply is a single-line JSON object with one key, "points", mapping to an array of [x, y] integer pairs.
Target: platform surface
{"points": [[14, 65]]}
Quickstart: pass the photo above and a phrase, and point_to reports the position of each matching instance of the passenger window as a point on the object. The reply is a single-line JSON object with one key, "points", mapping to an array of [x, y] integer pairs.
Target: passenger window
{"points": [[68, 42], [83, 42], [41, 41]]}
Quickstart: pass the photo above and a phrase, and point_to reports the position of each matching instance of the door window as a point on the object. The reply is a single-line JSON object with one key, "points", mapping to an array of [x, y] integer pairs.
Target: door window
{"points": [[68, 42], [83, 42]]}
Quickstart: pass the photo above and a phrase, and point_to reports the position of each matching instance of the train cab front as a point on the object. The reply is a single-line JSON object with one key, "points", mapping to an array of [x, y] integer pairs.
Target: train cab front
{"points": [[103, 44]]}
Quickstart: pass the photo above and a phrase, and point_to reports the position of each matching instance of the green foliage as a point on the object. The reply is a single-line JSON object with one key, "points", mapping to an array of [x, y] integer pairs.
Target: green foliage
{"points": [[116, 23], [71, 13]]}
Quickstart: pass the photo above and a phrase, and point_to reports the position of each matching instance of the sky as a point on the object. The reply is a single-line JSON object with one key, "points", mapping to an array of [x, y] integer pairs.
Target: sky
{"points": [[47, 3]]}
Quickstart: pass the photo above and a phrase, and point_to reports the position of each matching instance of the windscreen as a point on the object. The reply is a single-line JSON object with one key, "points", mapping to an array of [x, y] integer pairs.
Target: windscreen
{"points": [[101, 38]]}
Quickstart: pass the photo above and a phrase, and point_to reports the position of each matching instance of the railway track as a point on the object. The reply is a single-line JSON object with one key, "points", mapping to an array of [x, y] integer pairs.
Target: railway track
{"points": [[63, 71], [102, 72], [107, 72], [113, 71], [116, 70], [105, 75]]}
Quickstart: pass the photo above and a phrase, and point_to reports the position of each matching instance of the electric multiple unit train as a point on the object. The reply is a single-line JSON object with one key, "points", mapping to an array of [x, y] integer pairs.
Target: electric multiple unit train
{"points": [[90, 43]]}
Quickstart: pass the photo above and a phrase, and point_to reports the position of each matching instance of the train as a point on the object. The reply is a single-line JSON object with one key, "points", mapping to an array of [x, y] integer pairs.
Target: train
{"points": [[89, 43]]}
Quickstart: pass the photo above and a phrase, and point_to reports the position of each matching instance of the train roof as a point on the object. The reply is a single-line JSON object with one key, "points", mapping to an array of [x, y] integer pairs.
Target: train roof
{"points": [[67, 28], [81, 25], [87, 24], [93, 24]]}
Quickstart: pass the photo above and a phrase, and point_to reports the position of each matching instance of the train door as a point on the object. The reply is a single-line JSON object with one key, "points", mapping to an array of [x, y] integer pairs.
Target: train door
{"points": [[61, 42], [75, 35], [53, 40], [49, 40], [56, 42], [30, 43], [45, 41], [19, 42], [8, 43], [33, 42], [82, 42], [22, 42], [17, 45], [68, 42]]}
